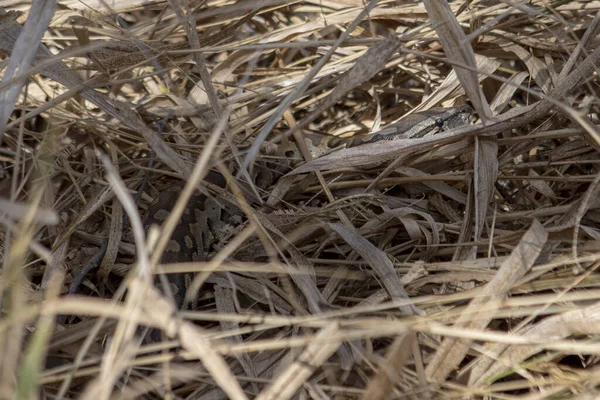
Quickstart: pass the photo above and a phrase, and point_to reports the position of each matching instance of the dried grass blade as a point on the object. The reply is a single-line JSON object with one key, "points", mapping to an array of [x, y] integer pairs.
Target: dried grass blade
{"points": [[537, 68], [97, 200], [451, 87], [60, 73], [175, 374], [364, 69], [23, 54], [115, 231], [453, 350], [390, 370], [380, 263], [486, 172], [224, 299], [195, 340], [35, 353], [507, 91], [122, 349], [463, 252], [325, 343], [585, 321], [188, 23], [19, 211], [15, 285], [459, 51], [590, 33], [300, 88], [440, 187]]}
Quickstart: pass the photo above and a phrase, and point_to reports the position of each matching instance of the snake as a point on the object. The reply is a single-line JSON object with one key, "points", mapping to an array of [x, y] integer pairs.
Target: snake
{"points": [[195, 232], [202, 218]]}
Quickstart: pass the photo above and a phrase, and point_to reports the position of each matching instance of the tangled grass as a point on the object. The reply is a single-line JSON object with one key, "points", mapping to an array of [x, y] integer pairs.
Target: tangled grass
{"points": [[457, 265]]}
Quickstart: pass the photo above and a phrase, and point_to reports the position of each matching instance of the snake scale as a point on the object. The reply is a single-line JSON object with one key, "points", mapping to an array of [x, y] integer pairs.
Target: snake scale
{"points": [[195, 233], [203, 217]]}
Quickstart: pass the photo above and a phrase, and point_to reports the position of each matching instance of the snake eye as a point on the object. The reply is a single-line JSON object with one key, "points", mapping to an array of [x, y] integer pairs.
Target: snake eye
{"points": [[334, 142], [439, 122]]}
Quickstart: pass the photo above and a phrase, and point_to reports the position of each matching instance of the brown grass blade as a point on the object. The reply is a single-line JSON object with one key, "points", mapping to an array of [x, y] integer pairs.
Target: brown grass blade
{"points": [[459, 51], [452, 351]]}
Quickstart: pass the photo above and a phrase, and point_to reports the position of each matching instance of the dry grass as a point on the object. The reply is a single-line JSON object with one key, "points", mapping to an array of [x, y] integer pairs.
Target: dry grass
{"points": [[458, 265]]}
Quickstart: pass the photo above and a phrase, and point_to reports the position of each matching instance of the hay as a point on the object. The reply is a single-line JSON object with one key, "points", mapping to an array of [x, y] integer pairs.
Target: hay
{"points": [[466, 269]]}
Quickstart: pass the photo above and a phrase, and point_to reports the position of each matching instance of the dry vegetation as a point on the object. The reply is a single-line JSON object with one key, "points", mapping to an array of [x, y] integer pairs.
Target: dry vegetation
{"points": [[457, 265]]}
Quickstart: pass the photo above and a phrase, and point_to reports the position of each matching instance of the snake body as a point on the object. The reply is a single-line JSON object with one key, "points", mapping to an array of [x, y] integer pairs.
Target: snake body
{"points": [[183, 245], [193, 236], [203, 218]]}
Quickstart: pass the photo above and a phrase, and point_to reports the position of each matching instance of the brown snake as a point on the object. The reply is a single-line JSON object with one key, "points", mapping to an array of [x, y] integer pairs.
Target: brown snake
{"points": [[194, 234], [202, 218]]}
